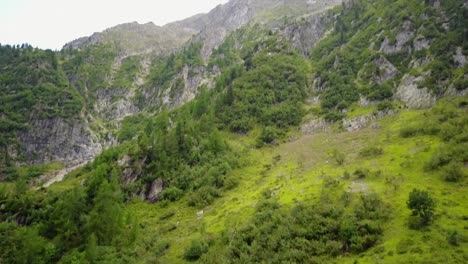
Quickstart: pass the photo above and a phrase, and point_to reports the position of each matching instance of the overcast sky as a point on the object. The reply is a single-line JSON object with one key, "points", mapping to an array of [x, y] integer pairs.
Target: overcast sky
{"points": [[49, 24]]}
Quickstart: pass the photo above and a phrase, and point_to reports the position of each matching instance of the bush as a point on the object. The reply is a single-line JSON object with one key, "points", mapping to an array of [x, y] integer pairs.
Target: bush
{"points": [[361, 173], [167, 215], [384, 106], [441, 157], [196, 250], [371, 152], [339, 157], [403, 246], [454, 237], [172, 194], [268, 136], [421, 203], [407, 132], [453, 172], [203, 197]]}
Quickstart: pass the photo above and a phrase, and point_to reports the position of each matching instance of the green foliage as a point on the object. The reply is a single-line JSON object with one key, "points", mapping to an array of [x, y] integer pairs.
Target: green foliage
{"points": [[24, 245], [89, 68], [339, 157], [454, 237], [308, 232], [269, 92], [32, 87], [27, 173], [196, 250], [447, 121], [453, 172], [55, 225], [172, 194], [127, 72], [371, 152], [347, 61], [164, 69], [422, 204], [131, 126]]}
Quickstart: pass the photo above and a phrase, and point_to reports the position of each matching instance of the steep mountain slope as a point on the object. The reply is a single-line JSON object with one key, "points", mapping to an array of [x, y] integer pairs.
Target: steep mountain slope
{"points": [[116, 72], [289, 141], [41, 113]]}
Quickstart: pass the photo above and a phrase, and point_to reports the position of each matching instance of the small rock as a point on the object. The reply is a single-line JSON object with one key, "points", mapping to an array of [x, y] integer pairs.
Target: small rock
{"points": [[199, 214], [156, 188], [375, 126]]}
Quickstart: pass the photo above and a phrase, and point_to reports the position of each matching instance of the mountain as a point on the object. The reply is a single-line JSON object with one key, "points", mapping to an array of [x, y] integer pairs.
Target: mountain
{"points": [[114, 73], [281, 131]]}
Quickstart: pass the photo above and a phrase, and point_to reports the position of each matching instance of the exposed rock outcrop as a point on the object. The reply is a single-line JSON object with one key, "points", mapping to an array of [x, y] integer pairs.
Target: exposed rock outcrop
{"points": [[67, 141], [401, 40], [360, 122], [386, 70], [414, 97], [315, 126], [305, 33], [114, 103], [460, 58], [155, 189], [421, 43]]}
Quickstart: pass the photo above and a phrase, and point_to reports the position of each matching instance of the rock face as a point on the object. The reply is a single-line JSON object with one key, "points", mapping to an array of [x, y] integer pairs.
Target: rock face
{"points": [[114, 103], [360, 122], [421, 43], [67, 141], [414, 97], [303, 34], [73, 142], [134, 38], [401, 39], [156, 187], [459, 58], [386, 70], [315, 126]]}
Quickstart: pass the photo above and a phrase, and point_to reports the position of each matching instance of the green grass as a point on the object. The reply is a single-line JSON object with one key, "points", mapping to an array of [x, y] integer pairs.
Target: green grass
{"points": [[295, 171]]}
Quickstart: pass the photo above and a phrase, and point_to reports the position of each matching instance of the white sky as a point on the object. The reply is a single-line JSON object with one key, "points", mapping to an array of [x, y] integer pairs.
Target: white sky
{"points": [[49, 24]]}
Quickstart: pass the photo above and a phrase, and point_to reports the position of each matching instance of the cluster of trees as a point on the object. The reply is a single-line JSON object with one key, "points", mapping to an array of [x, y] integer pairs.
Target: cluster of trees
{"points": [[267, 92], [185, 149], [32, 86], [89, 68], [77, 225], [310, 232], [164, 69]]}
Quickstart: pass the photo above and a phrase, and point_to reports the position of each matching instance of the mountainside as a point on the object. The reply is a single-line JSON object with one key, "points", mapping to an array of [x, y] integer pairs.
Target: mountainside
{"points": [[280, 131]]}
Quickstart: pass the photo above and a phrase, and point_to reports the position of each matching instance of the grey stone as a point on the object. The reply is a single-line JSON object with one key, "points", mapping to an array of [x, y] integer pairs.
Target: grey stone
{"points": [[414, 97], [157, 186]]}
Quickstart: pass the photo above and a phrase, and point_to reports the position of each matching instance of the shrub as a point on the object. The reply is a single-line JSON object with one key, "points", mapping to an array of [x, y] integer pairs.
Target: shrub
{"points": [[268, 136], [172, 194], [441, 157], [196, 250], [361, 173], [403, 246], [167, 215], [454, 237], [384, 106], [453, 172], [408, 132], [203, 197], [339, 157], [371, 152], [421, 203]]}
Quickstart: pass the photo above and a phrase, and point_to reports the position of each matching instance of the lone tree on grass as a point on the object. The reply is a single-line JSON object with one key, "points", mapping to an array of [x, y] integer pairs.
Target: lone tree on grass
{"points": [[421, 203]]}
